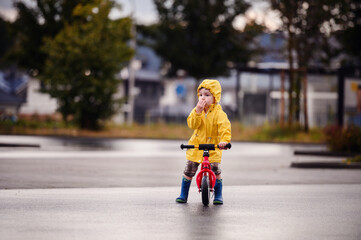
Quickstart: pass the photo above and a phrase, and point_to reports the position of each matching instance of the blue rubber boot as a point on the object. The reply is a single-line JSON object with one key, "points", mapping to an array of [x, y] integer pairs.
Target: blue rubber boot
{"points": [[184, 191], [218, 199]]}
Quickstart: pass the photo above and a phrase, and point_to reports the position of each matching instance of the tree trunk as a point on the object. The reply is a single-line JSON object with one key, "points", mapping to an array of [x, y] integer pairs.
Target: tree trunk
{"points": [[297, 102], [305, 113], [282, 104], [290, 90]]}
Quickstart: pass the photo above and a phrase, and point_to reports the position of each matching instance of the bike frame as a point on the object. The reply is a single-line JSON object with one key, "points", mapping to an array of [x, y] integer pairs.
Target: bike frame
{"points": [[206, 166], [206, 170]]}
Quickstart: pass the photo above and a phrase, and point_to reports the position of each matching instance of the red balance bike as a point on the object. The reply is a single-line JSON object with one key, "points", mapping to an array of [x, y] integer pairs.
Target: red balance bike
{"points": [[206, 179]]}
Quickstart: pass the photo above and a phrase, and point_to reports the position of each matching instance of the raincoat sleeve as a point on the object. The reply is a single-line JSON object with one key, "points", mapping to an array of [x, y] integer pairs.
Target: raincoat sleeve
{"points": [[224, 127], [194, 120]]}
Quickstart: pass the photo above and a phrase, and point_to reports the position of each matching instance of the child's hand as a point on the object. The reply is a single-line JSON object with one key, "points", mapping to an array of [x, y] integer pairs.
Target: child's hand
{"points": [[222, 145], [200, 106]]}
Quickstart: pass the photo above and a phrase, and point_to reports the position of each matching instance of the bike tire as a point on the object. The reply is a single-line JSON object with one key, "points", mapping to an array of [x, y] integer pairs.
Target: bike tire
{"points": [[205, 189]]}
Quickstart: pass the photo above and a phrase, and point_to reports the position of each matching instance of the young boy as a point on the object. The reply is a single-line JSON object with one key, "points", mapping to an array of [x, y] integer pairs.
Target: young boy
{"points": [[211, 125]]}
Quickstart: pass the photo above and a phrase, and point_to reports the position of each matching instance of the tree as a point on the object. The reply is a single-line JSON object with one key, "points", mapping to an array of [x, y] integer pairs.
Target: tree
{"points": [[310, 27], [199, 36], [6, 40], [302, 21], [82, 60], [33, 25], [347, 21]]}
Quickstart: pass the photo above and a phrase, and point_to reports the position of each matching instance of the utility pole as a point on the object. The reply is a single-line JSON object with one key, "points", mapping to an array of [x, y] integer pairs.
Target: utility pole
{"points": [[340, 96]]}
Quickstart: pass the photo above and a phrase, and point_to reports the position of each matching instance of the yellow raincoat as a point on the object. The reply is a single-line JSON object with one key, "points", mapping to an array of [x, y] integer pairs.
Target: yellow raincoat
{"points": [[211, 128]]}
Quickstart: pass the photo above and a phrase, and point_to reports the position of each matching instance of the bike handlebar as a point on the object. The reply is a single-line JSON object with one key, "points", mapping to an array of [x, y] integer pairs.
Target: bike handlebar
{"points": [[205, 146]]}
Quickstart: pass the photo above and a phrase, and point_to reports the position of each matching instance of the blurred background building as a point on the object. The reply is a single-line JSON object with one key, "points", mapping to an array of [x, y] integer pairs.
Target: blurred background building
{"points": [[170, 100], [252, 93]]}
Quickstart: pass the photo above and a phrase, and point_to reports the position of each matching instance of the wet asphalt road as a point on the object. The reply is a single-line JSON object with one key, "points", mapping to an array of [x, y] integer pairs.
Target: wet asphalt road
{"points": [[98, 163], [125, 189], [250, 212]]}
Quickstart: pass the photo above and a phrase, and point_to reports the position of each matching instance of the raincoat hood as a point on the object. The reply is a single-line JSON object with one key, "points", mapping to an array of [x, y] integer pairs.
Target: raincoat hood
{"points": [[213, 86]]}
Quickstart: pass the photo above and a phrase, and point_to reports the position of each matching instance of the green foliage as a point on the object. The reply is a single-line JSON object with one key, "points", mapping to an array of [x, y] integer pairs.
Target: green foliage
{"points": [[76, 50], [37, 125], [33, 25], [199, 36], [276, 133], [82, 61], [6, 40], [349, 35], [343, 140], [356, 159], [310, 26]]}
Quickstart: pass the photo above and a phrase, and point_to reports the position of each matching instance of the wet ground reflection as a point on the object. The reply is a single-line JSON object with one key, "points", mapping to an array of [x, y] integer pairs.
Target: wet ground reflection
{"points": [[201, 222], [86, 144]]}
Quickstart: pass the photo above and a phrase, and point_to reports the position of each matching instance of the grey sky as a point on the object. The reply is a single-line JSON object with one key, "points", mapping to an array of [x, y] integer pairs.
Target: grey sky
{"points": [[145, 12]]}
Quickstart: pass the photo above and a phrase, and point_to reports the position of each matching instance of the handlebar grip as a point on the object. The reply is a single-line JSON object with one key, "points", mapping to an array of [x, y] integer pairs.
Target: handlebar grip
{"points": [[186, 146], [228, 146]]}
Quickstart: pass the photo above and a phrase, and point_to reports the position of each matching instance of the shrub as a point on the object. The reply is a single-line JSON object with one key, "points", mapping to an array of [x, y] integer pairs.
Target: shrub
{"points": [[356, 159], [343, 139]]}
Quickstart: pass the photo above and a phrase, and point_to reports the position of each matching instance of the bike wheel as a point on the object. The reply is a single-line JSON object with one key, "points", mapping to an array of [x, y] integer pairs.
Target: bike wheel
{"points": [[205, 189]]}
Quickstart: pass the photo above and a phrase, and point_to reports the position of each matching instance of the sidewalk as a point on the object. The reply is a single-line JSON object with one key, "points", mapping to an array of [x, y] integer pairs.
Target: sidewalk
{"points": [[328, 163]]}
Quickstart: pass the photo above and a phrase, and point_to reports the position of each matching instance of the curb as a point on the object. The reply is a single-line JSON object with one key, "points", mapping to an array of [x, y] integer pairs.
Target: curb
{"points": [[331, 165], [19, 145], [324, 153]]}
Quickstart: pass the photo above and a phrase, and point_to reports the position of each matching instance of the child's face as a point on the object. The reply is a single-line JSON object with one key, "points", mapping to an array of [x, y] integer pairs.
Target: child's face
{"points": [[206, 95]]}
